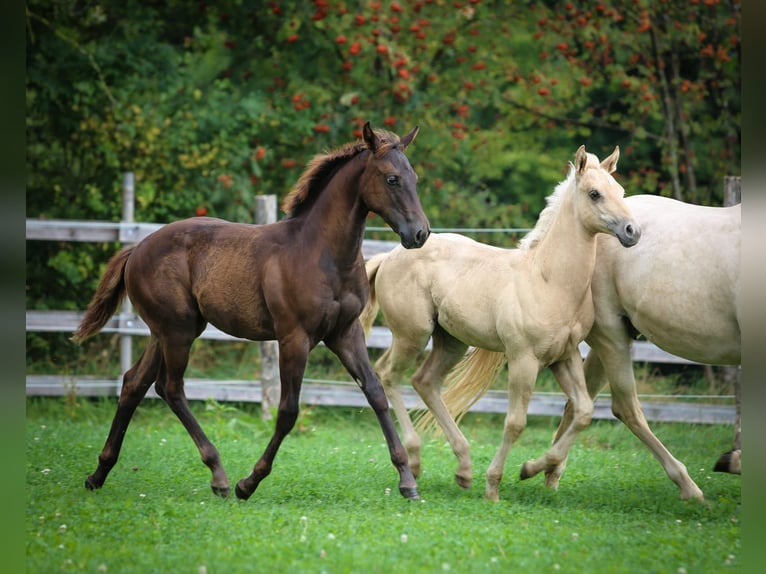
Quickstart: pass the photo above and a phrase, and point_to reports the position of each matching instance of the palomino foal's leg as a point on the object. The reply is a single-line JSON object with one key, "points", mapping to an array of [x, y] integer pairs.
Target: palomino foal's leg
{"points": [[351, 350], [135, 383], [522, 373], [595, 380], [427, 381], [171, 389], [390, 368], [569, 374]]}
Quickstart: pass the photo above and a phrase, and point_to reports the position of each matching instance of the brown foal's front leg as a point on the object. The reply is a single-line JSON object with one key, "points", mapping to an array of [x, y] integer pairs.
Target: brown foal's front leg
{"points": [[292, 364], [351, 349]]}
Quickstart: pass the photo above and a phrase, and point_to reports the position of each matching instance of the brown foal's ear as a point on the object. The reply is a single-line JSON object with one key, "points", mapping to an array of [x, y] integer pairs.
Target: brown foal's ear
{"points": [[404, 141], [369, 137]]}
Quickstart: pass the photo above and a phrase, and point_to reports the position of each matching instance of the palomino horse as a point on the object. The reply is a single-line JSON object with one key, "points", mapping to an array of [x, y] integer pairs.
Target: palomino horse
{"points": [[299, 281], [680, 288], [533, 304]]}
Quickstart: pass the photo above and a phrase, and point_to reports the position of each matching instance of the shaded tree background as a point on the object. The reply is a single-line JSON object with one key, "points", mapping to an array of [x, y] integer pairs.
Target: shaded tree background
{"points": [[210, 103]]}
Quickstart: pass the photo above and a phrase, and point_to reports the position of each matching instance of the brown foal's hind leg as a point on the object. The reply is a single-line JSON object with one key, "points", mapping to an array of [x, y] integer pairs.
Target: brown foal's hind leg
{"points": [[176, 358], [135, 383], [352, 352]]}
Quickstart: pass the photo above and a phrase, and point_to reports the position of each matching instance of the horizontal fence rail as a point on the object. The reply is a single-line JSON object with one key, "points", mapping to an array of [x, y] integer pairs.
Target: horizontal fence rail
{"points": [[125, 232], [340, 393], [314, 392]]}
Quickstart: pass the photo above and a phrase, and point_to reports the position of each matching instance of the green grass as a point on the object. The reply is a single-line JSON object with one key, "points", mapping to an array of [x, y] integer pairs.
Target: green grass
{"points": [[331, 503]]}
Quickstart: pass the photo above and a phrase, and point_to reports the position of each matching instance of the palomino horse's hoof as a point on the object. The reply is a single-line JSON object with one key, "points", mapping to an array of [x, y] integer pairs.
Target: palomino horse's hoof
{"points": [[409, 492], [222, 491], [730, 462]]}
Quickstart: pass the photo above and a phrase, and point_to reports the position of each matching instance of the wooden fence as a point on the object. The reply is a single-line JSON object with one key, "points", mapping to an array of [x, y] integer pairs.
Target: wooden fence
{"points": [[266, 390]]}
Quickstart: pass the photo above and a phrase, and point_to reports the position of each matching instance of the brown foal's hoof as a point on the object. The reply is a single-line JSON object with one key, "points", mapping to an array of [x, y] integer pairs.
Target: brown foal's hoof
{"points": [[409, 492], [222, 491], [91, 484], [241, 494]]}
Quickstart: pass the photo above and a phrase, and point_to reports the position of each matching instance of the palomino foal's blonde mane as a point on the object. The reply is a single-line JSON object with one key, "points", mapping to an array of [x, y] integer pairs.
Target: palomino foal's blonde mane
{"points": [[552, 204]]}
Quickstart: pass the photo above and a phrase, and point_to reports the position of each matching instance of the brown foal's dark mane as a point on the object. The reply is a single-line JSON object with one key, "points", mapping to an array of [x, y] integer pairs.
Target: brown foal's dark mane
{"points": [[322, 166]]}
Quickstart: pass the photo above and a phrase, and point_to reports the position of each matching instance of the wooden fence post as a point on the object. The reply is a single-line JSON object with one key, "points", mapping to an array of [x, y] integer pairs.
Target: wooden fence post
{"points": [[266, 212], [732, 190], [128, 216]]}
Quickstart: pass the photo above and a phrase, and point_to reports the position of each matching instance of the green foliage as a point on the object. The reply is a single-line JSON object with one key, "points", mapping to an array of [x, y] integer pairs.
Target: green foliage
{"points": [[331, 505], [211, 103]]}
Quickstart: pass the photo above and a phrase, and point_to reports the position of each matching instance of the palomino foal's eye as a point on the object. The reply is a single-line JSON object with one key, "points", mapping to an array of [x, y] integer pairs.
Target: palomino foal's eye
{"points": [[392, 180], [594, 194]]}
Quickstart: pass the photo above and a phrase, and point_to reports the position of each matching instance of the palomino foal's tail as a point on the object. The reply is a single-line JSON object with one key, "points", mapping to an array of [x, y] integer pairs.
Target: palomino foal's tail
{"points": [[465, 384], [109, 294], [371, 308]]}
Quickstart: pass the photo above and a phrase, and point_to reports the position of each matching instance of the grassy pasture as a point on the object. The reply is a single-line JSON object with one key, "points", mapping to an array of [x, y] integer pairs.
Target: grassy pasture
{"points": [[331, 503]]}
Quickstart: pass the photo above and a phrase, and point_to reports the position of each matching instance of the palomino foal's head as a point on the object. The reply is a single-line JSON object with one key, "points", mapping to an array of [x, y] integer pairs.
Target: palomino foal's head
{"points": [[599, 197], [389, 186]]}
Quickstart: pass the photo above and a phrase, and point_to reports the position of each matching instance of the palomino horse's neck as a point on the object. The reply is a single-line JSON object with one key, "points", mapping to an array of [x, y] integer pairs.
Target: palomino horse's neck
{"points": [[338, 217], [566, 255]]}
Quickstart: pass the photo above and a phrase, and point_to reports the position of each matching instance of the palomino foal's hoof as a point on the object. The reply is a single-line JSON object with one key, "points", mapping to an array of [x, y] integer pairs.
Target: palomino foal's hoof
{"points": [[409, 492], [463, 481], [526, 472]]}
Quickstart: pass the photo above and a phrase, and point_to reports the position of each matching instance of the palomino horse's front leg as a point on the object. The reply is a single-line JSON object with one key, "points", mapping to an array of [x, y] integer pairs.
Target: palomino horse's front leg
{"points": [[613, 361], [571, 379], [731, 461], [351, 350], [293, 355]]}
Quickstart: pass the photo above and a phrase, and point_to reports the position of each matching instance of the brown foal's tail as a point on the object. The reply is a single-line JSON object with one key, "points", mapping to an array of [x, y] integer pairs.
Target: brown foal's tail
{"points": [[109, 294], [465, 384], [370, 311]]}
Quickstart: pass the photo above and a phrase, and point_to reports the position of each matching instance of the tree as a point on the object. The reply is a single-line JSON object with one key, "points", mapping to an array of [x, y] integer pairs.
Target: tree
{"points": [[210, 103]]}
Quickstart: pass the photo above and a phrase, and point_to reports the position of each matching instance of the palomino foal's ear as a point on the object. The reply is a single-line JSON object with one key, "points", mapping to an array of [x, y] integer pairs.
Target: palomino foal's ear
{"points": [[610, 163], [581, 159], [404, 141], [369, 137]]}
